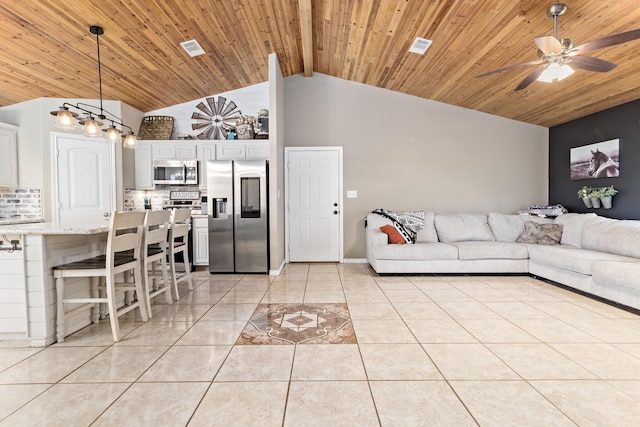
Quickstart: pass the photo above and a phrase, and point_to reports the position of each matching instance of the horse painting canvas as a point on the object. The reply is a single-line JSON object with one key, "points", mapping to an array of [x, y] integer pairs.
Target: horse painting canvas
{"points": [[601, 160]]}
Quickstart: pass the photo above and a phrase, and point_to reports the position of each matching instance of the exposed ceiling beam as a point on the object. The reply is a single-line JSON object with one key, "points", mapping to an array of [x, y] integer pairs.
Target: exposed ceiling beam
{"points": [[306, 30]]}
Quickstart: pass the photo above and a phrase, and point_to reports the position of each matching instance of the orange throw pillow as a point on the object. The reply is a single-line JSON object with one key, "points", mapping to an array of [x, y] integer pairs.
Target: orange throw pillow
{"points": [[394, 237]]}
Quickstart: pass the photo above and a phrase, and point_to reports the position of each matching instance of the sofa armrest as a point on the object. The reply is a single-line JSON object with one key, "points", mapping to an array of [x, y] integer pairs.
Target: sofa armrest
{"points": [[374, 237]]}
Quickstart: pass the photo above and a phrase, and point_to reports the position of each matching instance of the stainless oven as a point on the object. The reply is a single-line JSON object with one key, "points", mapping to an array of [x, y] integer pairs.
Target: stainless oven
{"points": [[175, 172]]}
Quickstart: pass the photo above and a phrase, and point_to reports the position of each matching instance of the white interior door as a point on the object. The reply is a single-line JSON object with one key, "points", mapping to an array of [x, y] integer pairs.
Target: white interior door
{"points": [[84, 179], [314, 189]]}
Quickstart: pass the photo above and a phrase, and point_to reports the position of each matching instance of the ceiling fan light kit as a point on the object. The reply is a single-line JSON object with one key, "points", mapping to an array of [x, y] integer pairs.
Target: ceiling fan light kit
{"points": [[91, 122], [555, 54], [555, 72]]}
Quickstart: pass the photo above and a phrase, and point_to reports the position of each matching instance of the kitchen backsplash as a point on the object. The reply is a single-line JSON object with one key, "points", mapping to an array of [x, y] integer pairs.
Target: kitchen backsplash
{"points": [[134, 199], [20, 203]]}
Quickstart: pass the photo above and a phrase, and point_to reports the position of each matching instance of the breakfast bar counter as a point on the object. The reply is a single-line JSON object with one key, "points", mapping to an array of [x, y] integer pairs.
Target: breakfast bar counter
{"points": [[27, 286], [40, 228]]}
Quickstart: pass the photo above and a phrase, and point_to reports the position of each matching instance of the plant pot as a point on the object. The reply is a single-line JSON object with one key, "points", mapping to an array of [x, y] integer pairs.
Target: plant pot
{"points": [[587, 202], [595, 201], [606, 202]]}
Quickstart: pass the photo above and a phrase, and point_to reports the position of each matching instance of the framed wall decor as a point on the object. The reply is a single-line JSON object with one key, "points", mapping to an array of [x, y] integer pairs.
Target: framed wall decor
{"points": [[600, 160]]}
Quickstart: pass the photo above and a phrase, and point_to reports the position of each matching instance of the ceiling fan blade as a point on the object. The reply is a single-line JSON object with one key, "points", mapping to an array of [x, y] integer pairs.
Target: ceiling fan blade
{"points": [[607, 41], [591, 64], [548, 44], [531, 77], [499, 70]]}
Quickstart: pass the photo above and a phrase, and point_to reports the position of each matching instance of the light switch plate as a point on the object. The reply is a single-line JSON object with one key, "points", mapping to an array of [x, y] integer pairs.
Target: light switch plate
{"points": [[352, 194]]}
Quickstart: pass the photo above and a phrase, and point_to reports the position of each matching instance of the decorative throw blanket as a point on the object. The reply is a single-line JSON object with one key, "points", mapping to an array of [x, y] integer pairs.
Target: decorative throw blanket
{"points": [[407, 223]]}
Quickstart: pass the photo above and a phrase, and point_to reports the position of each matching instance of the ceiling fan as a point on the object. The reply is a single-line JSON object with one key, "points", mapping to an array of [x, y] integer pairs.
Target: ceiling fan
{"points": [[556, 54]]}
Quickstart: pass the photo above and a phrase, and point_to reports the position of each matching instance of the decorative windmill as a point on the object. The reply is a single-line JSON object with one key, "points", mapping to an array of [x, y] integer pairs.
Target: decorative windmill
{"points": [[215, 118]]}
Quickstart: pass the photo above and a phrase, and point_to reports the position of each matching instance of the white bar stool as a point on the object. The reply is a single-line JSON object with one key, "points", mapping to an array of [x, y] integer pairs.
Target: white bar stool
{"points": [[179, 243], [123, 255], [154, 238]]}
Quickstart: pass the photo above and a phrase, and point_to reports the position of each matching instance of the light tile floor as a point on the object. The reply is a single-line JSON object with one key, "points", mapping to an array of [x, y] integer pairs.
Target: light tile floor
{"points": [[443, 350]]}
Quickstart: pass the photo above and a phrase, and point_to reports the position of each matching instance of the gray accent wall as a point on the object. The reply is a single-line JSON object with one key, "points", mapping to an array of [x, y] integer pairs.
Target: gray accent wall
{"points": [[407, 153], [622, 122]]}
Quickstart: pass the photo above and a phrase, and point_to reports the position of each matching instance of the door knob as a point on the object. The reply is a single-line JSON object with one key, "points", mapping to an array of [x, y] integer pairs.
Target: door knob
{"points": [[106, 214], [335, 212], [335, 204]]}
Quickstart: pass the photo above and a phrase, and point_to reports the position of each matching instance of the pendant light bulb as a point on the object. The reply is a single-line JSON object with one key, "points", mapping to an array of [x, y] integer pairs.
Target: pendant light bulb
{"points": [[112, 134], [130, 141], [91, 128], [65, 120]]}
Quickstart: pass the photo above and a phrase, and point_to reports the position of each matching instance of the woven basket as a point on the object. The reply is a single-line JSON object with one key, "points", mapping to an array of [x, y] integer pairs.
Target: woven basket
{"points": [[156, 127]]}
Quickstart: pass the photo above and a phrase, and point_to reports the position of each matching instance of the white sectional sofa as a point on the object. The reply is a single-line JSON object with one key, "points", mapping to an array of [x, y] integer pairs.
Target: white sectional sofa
{"points": [[596, 255]]}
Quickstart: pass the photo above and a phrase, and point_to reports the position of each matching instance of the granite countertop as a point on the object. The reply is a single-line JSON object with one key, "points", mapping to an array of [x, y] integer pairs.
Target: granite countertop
{"points": [[53, 228]]}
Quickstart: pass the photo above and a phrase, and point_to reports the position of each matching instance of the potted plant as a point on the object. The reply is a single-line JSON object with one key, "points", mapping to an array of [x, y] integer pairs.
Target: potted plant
{"points": [[583, 194], [606, 193], [594, 195]]}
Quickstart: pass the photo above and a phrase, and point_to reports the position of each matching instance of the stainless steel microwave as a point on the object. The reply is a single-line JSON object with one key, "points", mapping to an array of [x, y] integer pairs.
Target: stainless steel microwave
{"points": [[175, 172]]}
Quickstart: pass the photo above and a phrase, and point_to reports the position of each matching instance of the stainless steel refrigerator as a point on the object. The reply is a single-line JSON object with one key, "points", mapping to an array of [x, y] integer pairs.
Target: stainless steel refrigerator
{"points": [[238, 216]]}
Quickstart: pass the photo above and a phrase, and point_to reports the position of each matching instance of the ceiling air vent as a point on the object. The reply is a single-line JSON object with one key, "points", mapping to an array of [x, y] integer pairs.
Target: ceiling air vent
{"points": [[420, 45], [192, 47]]}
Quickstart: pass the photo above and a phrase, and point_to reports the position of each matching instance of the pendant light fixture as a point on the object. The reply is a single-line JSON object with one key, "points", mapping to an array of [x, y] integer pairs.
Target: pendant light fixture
{"points": [[93, 117]]}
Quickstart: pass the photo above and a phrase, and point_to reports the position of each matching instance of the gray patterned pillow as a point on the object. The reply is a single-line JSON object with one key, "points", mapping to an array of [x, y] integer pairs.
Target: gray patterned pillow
{"points": [[541, 234]]}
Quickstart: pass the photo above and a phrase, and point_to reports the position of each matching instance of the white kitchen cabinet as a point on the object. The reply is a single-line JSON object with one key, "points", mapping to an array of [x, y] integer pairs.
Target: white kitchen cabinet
{"points": [[206, 152], [257, 150], [242, 150], [144, 166], [174, 151], [200, 241], [8, 156], [230, 151]]}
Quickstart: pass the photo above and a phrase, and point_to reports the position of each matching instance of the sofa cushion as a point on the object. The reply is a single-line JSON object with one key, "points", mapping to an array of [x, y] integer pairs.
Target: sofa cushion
{"points": [[615, 236], [614, 274], [572, 224], [571, 258], [491, 250], [463, 228], [395, 238], [428, 233], [541, 234], [419, 251], [506, 228]]}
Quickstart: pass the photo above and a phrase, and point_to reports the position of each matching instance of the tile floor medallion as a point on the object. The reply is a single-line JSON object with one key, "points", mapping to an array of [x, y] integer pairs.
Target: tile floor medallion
{"points": [[298, 324]]}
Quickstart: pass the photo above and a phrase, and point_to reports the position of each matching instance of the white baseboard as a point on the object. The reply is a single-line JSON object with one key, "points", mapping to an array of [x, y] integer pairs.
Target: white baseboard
{"points": [[354, 261], [278, 271]]}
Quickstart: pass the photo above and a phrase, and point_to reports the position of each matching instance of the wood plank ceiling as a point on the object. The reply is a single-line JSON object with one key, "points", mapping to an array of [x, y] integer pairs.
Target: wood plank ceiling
{"points": [[46, 50]]}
